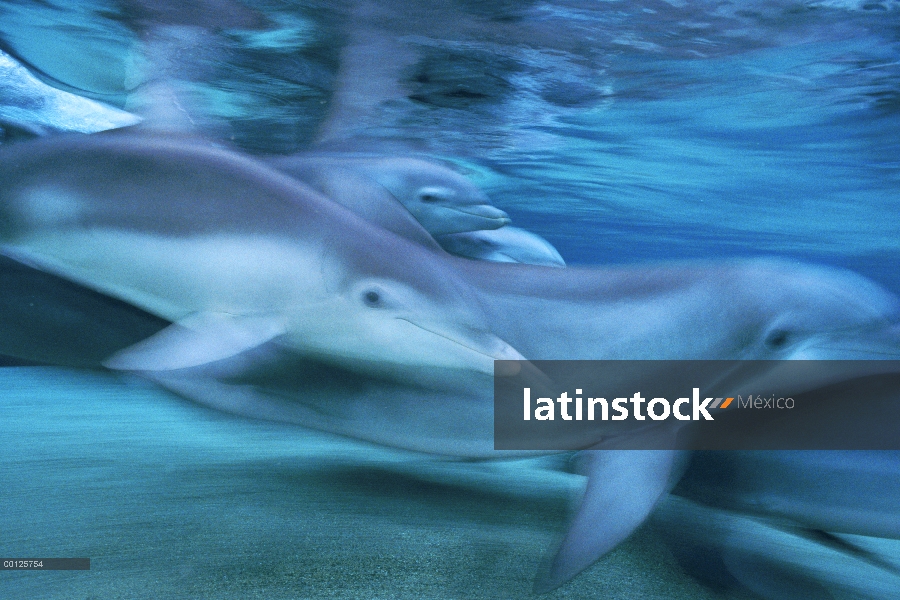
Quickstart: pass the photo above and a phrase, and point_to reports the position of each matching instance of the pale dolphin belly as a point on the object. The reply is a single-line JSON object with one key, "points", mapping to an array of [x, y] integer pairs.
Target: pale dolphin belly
{"points": [[224, 273]]}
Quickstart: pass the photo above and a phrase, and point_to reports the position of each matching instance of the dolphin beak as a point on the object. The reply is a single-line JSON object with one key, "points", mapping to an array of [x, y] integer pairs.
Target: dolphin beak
{"points": [[496, 349], [503, 350], [482, 347], [482, 342]]}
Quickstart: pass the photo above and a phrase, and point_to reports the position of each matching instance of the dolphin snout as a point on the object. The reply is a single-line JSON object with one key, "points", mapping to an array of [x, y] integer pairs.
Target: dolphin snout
{"points": [[454, 218], [485, 211], [492, 346], [481, 348], [459, 219], [483, 342], [877, 343], [498, 349]]}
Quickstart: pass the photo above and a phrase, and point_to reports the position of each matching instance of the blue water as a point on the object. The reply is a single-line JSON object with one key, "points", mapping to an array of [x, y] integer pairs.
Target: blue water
{"points": [[623, 132]]}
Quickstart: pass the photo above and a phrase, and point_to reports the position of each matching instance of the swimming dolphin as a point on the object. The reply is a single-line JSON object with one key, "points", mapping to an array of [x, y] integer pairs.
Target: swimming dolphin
{"points": [[359, 193], [217, 243], [758, 508], [758, 309], [234, 254], [742, 310], [441, 199]]}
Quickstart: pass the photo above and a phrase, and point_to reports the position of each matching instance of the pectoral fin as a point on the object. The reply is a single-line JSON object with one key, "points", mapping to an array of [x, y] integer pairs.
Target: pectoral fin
{"points": [[623, 487], [197, 340]]}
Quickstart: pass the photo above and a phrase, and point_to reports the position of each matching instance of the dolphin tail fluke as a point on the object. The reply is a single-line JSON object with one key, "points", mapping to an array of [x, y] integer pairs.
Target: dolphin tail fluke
{"points": [[199, 339], [623, 488]]}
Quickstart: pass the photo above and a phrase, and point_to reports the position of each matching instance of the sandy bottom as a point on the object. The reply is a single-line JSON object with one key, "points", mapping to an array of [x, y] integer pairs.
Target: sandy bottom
{"points": [[171, 500]]}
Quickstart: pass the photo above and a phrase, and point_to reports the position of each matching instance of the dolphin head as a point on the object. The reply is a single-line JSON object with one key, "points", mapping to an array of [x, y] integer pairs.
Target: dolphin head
{"points": [[441, 199], [398, 315], [803, 312]]}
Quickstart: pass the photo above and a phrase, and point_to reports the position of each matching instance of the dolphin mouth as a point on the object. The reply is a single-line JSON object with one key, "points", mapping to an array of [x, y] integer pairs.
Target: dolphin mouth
{"points": [[860, 352], [503, 352], [485, 211], [529, 373], [877, 343]]}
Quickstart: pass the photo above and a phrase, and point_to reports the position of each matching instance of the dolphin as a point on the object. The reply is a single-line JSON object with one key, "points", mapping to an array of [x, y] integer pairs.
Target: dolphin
{"points": [[445, 203], [755, 309], [359, 193], [441, 199], [284, 307], [740, 310], [235, 255], [756, 509]]}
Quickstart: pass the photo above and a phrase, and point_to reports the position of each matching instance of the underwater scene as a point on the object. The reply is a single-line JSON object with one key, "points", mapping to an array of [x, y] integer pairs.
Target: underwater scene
{"points": [[258, 257]]}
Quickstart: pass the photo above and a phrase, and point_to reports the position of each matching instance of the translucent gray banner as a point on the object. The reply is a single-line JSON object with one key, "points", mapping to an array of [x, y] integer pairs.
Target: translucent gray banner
{"points": [[697, 405]]}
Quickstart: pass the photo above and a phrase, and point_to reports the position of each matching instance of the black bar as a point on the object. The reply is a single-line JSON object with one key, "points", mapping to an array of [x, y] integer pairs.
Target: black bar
{"points": [[45, 564]]}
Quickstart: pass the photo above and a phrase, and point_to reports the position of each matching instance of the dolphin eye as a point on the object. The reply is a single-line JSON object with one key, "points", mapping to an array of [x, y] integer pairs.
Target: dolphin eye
{"points": [[371, 298], [778, 339], [432, 194]]}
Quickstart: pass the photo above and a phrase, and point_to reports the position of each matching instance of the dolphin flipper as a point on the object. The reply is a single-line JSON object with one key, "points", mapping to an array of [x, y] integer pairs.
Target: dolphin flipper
{"points": [[623, 488], [199, 339]]}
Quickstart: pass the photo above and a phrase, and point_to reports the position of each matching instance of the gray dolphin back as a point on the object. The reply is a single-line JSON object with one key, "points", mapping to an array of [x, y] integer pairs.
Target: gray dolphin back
{"points": [[191, 188]]}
